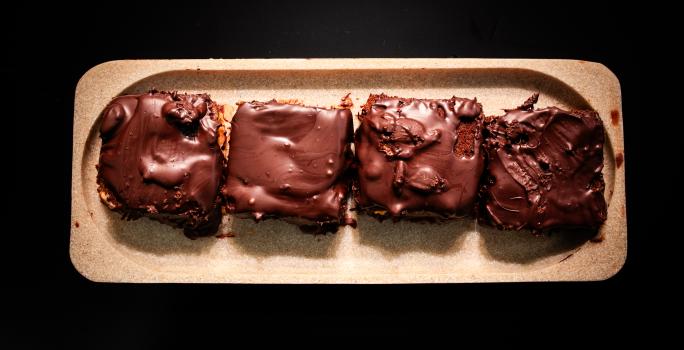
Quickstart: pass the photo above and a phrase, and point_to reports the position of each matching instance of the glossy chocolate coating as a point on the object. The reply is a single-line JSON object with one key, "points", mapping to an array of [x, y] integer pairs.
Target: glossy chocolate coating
{"points": [[288, 160], [160, 158], [418, 155], [544, 169]]}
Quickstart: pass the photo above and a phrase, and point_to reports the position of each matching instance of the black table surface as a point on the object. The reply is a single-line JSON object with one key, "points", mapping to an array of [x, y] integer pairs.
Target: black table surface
{"points": [[53, 51]]}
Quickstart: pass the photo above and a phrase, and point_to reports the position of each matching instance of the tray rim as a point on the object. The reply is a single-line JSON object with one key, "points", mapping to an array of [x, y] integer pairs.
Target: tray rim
{"points": [[134, 70]]}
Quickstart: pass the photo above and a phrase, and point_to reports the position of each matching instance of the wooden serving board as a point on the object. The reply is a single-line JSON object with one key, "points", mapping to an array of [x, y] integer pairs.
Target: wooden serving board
{"points": [[105, 248]]}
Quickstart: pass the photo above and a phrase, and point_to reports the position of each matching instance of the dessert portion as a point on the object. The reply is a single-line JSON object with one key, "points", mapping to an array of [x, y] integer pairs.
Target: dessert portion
{"points": [[161, 158], [289, 161], [544, 169], [166, 156], [418, 158]]}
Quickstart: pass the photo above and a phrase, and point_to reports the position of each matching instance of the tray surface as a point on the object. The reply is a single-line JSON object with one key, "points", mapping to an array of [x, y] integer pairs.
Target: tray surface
{"points": [[107, 249]]}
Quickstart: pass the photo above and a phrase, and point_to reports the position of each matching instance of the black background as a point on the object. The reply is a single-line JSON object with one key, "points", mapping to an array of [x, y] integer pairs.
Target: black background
{"points": [[54, 46]]}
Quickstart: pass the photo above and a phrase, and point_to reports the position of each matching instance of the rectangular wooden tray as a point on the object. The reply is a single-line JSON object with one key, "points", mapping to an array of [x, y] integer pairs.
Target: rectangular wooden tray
{"points": [[105, 248]]}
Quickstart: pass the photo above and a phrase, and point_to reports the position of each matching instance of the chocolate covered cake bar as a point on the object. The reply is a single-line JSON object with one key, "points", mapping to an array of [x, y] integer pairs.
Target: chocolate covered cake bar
{"points": [[544, 169], [289, 161], [161, 158], [418, 158]]}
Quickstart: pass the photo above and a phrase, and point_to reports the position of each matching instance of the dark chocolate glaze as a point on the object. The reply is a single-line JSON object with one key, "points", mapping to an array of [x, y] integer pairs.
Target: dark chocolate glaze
{"points": [[418, 156], [544, 169], [289, 160], [160, 158]]}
